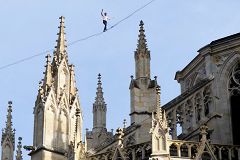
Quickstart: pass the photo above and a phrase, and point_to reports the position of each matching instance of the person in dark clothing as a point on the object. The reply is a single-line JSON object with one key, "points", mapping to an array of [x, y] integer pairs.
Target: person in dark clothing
{"points": [[105, 19]]}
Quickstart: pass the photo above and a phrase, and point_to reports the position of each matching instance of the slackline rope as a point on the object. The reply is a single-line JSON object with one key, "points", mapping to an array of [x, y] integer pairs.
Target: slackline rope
{"points": [[79, 40]]}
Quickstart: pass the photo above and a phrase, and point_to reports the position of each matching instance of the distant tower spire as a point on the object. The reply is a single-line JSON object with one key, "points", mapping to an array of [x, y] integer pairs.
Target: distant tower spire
{"points": [[99, 98], [19, 151], [99, 108], [61, 46], [8, 136], [142, 55]]}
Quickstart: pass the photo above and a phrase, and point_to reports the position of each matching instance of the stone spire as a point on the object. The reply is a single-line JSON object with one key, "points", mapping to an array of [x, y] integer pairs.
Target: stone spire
{"points": [[142, 42], [8, 136], [8, 129], [99, 108], [19, 151], [61, 46], [142, 55], [9, 118], [99, 98]]}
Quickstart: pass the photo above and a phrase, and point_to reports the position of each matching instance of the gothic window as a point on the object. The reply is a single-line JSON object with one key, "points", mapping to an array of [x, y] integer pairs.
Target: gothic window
{"points": [[234, 83], [184, 150], [234, 90], [173, 150]]}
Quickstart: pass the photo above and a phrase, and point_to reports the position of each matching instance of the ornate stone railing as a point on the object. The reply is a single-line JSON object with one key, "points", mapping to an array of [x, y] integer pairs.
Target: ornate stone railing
{"points": [[188, 149]]}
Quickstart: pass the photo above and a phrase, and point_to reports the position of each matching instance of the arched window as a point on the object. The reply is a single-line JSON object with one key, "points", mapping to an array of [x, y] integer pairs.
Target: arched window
{"points": [[234, 90]]}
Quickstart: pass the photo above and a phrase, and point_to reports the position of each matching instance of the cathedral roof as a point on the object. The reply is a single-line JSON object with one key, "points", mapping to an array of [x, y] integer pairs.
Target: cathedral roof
{"points": [[209, 49]]}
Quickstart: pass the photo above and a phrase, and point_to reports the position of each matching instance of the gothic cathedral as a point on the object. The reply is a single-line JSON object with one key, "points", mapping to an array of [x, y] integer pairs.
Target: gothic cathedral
{"points": [[202, 123]]}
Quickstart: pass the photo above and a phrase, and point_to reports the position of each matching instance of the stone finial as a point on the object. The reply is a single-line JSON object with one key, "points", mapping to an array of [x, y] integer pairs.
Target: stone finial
{"points": [[19, 151], [203, 129], [124, 124], [47, 81], [119, 133]]}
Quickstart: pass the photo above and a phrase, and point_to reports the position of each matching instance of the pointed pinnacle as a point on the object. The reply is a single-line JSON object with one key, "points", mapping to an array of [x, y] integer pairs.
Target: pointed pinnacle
{"points": [[159, 109], [99, 98], [141, 26], [19, 152], [61, 37], [99, 78], [142, 45], [9, 118]]}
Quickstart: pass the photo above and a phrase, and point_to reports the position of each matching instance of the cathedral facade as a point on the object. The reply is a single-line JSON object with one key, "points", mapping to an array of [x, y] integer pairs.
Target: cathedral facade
{"points": [[202, 123]]}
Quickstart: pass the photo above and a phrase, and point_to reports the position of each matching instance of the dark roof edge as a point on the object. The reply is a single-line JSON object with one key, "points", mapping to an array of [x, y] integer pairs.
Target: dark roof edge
{"points": [[185, 94]]}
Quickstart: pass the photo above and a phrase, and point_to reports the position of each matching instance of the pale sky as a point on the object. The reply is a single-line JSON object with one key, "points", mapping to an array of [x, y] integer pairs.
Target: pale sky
{"points": [[175, 30]]}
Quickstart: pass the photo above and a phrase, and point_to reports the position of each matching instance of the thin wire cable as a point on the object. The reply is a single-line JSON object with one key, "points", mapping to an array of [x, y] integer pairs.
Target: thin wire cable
{"points": [[27, 58], [76, 41]]}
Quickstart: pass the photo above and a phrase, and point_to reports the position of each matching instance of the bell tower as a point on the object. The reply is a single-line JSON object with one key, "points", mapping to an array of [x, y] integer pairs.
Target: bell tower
{"points": [[57, 109], [142, 88]]}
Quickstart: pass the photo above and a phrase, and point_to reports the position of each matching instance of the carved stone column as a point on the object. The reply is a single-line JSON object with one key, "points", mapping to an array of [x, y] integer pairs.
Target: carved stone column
{"points": [[189, 150], [179, 150], [202, 104], [229, 154], [193, 112], [174, 124], [220, 153]]}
